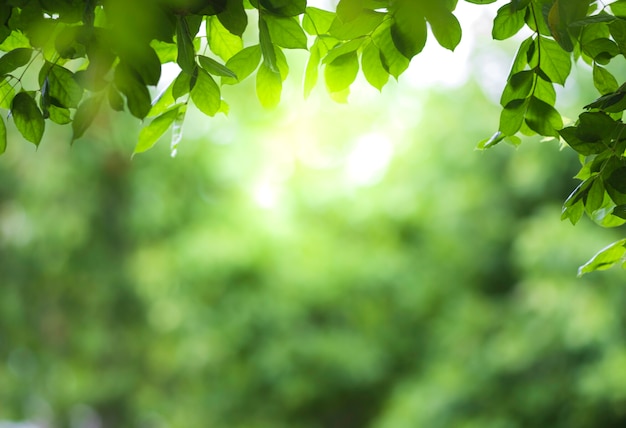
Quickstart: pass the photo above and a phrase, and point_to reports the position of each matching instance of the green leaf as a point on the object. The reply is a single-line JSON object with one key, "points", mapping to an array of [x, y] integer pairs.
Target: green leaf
{"points": [[281, 63], [27, 117], [518, 87], [595, 197], [242, 64], [521, 57], [342, 49], [14, 59], [618, 32], [166, 52], [286, 32], [570, 135], [617, 180], [393, 60], [362, 25], [601, 50], [186, 58], [408, 31], [555, 62], [312, 68], [560, 17], [164, 101], [151, 133], [269, 86], [7, 92], [507, 22], [64, 90], [372, 67], [512, 117], [317, 21], [206, 94], [267, 47], [544, 91], [59, 115], [143, 60], [285, 7], [618, 8], [595, 126], [137, 94], [341, 72], [444, 25], [348, 10], [605, 258], [215, 68], [116, 102], [619, 211], [573, 212], [490, 142], [85, 114], [542, 118], [177, 129], [184, 83], [221, 41], [234, 17], [3, 136]]}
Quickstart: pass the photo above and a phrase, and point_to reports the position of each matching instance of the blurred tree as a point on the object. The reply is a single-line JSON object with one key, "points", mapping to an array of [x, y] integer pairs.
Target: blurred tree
{"points": [[380, 305]]}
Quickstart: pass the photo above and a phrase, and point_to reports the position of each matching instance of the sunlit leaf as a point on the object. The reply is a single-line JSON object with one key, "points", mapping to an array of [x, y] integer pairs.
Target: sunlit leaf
{"points": [[512, 117], [186, 58], [267, 47], [408, 30], [312, 68], [212, 66], [341, 72], [243, 63], [555, 62], [14, 59], [542, 118], [507, 22], [64, 90], [317, 21], [286, 32], [268, 86], [7, 92], [223, 43], [363, 24], [206, 94], [444, 25], [373, 68], [177, 129], [27, 117], [518, 87], [59, 115], [605, 258], [151, 133]]}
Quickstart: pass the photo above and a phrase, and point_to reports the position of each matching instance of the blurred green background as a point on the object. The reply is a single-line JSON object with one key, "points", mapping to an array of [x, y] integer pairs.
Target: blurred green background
{"points": [[320, 265]]}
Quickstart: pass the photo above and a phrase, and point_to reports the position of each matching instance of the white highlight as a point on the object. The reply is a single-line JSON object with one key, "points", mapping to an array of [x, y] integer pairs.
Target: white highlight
{"points": [[368, 161], [266, 195]]}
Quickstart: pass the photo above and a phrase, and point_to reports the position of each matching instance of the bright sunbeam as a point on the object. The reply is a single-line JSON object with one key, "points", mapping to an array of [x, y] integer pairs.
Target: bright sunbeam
{"points": [[368, 161], [265, 195]]}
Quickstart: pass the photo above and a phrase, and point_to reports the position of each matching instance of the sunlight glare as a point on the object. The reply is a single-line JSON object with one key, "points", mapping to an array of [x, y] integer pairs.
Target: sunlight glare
{"points": [[265, 195], [368, 161]]}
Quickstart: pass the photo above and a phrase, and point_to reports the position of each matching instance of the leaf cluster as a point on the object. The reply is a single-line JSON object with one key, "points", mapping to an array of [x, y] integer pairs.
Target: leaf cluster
{"points": [[86, 54]]}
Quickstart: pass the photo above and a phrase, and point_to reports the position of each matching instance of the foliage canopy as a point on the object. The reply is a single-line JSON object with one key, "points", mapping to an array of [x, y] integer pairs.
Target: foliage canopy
{"points": [[84, 55]]}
